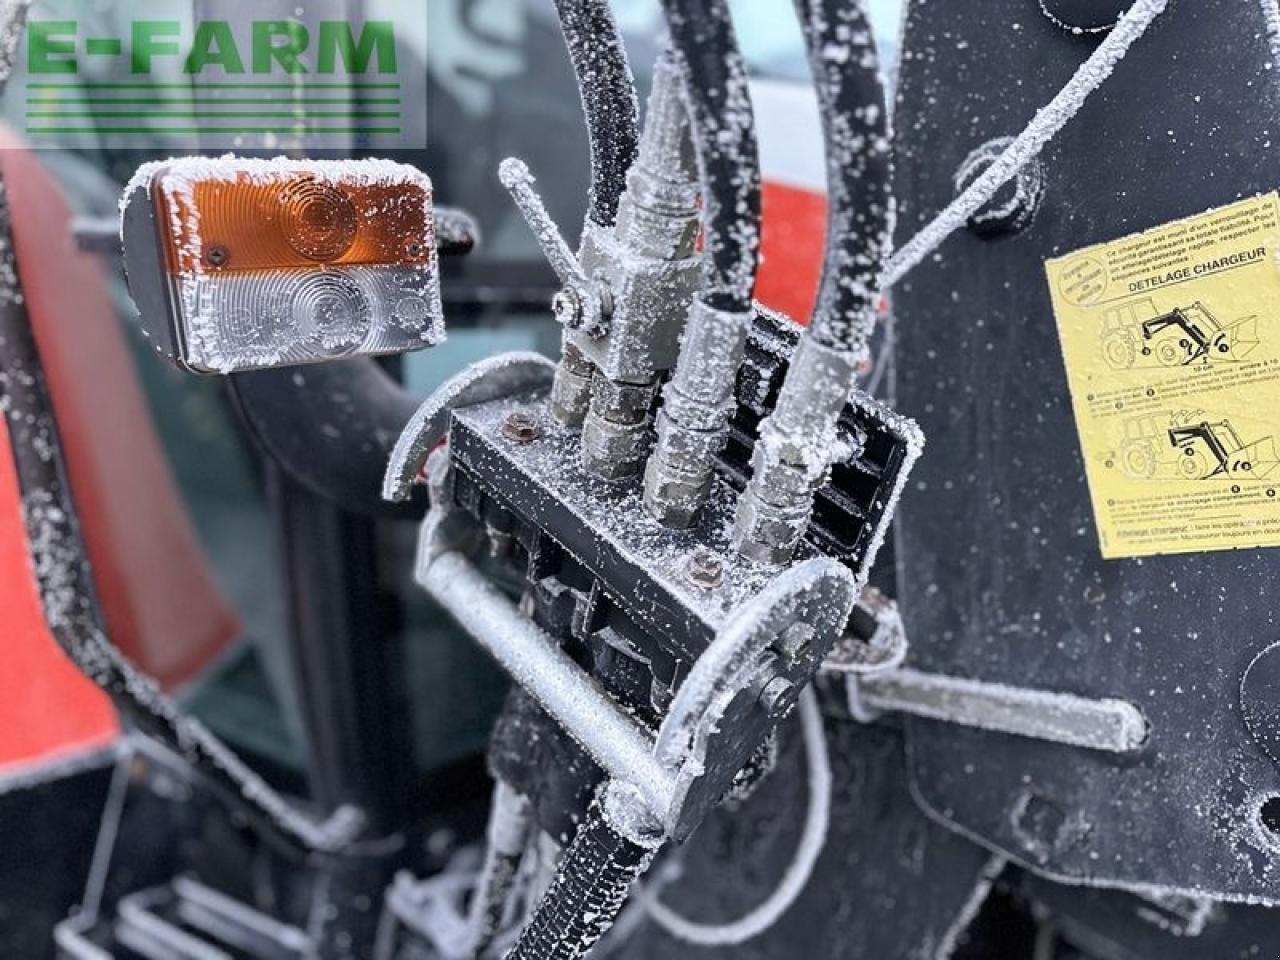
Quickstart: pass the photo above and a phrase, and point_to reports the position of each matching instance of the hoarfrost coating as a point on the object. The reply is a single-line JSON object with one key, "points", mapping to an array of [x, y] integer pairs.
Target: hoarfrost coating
{"points": [[851, 95], [266, 317], [1042, 128]]}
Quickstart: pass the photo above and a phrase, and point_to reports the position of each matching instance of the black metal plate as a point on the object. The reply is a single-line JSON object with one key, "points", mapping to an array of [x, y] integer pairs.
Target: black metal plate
{"points": [[890, 885], [1120, 926], [1000, 569]]}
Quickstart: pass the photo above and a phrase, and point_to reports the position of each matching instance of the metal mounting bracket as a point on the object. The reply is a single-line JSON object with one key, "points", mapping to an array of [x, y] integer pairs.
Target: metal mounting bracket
{"points": [[877, 683]]}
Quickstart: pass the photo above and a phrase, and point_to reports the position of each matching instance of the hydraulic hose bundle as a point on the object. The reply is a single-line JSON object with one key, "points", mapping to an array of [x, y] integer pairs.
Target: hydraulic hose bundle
{"points": [[609, 101], [663, 710], [698, 401], [622, 831], [798, 441]]}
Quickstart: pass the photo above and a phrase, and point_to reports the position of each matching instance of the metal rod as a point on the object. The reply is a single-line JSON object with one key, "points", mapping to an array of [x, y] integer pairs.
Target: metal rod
{"points": [[1110, 725], [519, 182], [559, 685]]}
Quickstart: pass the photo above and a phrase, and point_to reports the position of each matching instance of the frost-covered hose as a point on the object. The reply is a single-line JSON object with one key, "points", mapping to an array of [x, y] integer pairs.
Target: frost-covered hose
{"points": [[1046, 124], [794, 878], [608, 100], [858, 155], [510, 823], [724, 135], [59, 561], [608, 854]]}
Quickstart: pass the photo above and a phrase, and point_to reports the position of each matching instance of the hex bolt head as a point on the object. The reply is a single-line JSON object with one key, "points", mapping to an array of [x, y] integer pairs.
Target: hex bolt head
{"points": [[521, 427], [794, 640], [1015, 206], [704, 569], [567, 306], [779, 697]]}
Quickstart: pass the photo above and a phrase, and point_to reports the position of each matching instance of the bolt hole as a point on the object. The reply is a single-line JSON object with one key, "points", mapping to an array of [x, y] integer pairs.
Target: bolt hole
{"points": [[1269, 815]]}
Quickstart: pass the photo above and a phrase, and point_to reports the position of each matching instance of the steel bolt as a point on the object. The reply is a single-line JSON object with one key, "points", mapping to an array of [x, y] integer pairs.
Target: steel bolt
{"points": [[1015, 206], [795, 639], [218, 256], [778, 697], [567, 306], [704, 569], [521, 427]]}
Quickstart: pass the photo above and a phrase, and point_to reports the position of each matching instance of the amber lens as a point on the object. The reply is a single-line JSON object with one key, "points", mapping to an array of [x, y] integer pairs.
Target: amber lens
{"points": [[319, 221], [295, 221]]}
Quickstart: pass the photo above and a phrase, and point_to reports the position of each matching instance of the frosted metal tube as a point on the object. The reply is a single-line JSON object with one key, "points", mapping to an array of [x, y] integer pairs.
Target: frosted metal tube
{"points": [[698, 402], [657, 227], [693, 423], [550, 676], [510, 824]]}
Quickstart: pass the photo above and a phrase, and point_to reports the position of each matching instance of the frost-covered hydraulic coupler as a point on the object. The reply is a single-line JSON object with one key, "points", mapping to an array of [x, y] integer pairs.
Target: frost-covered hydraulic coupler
{"points": [[693, 423], [794, 453], [571, 391], [650, 266]]}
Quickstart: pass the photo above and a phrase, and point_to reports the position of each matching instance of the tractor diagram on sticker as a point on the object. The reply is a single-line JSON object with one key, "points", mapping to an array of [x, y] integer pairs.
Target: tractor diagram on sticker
{"points": [[1193, 445], [1139, 334]]}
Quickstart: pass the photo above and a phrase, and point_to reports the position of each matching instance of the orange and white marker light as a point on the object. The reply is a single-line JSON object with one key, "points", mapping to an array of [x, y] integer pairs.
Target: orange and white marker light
{"points": [[242, 264]]}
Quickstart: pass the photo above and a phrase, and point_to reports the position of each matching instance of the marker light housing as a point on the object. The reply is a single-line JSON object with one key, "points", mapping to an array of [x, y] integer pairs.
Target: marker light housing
{"points": [[244, 264]]}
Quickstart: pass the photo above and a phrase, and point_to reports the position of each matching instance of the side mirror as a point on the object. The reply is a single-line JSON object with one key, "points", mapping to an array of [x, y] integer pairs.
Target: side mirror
{"points": [[247, 264]]}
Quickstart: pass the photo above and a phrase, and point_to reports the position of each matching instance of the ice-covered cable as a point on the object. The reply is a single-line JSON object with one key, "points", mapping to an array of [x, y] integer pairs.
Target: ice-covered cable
{"points": [[608, 100], [508, 833], [1046, 124], [794, 878], [856, 145]]}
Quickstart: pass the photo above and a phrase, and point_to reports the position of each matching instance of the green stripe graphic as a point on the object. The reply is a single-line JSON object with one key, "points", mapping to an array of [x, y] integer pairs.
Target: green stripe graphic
{"points": [[160, 101], [103, 46], [202, 115], [153, 131], [213, 86]]}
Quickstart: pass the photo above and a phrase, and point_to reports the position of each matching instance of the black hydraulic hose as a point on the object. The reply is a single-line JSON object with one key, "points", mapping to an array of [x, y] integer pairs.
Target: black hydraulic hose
{"points": [[59, 561], [724, 134], [855, 126], [608, 100], [591, 883]]}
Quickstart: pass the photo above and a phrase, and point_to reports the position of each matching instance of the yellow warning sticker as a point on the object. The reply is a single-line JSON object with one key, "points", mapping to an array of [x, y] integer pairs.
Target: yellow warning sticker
{"points": [[1172, 347]]}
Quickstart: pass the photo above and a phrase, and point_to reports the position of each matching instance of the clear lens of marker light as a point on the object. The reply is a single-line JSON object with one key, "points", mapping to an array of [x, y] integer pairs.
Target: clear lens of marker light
{"points": [[243, 264]]}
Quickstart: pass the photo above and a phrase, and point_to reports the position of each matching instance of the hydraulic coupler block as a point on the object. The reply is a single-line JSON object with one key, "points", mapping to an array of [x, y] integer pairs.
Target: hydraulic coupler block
{"points": [[648, 262], [662, 653], [628, 290]]}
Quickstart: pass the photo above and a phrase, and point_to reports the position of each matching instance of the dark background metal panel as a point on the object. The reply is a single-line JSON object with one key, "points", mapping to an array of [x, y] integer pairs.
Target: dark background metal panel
{"points": [[1121, 926], [1001, 575], [890, 884]]}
